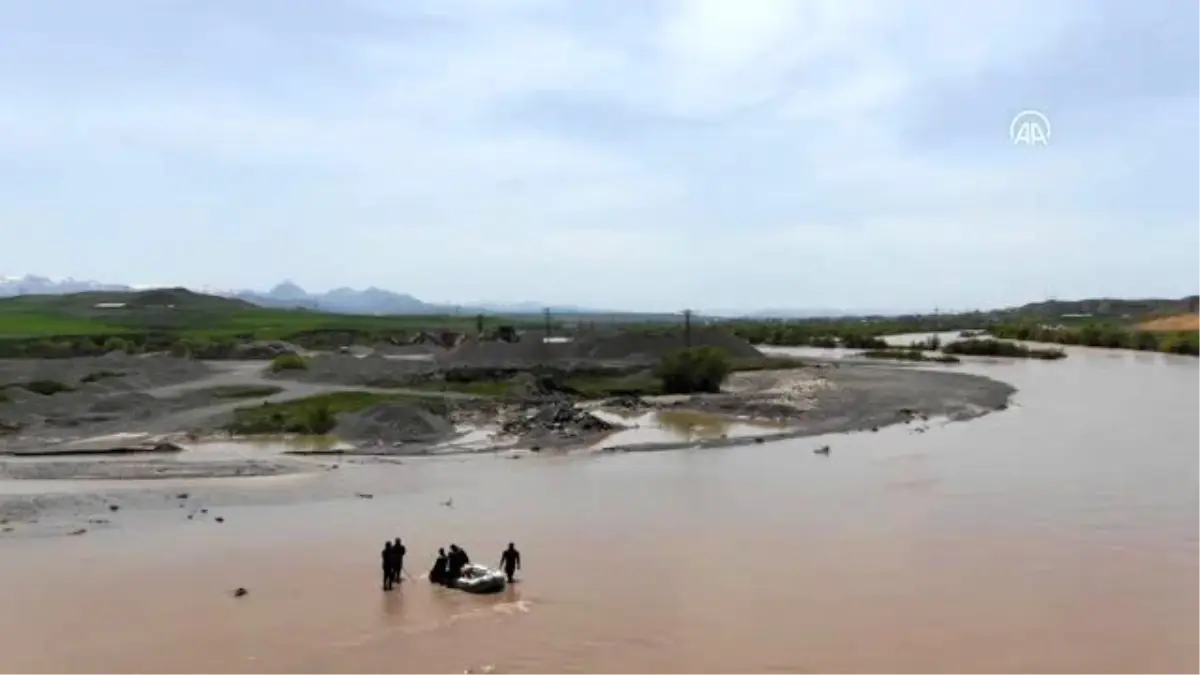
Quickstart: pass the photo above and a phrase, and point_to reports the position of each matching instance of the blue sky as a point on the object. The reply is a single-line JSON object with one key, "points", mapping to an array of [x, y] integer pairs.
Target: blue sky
{"points": [[643, 155]]}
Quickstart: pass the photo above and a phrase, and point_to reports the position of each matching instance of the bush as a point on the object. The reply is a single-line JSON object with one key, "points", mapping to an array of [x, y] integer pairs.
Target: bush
{"points": [[694, 370], [46, 387], [116, 344], [100, 375], [319, 420], [288, 362]]}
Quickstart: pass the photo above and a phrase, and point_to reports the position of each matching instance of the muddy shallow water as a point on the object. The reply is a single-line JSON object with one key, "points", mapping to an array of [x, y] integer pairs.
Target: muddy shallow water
{"points": [[1059, 535]]}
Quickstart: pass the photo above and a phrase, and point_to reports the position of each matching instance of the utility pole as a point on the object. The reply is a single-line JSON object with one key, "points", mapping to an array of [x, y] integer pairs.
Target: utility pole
{"points": [[687, 328]]}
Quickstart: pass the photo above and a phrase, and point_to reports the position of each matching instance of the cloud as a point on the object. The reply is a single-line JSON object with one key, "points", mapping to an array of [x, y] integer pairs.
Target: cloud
{"points": [[679, 153]]}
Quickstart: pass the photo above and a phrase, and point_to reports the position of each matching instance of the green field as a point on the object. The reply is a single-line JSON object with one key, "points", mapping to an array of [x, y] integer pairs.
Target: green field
{"points": [[62, 325]]}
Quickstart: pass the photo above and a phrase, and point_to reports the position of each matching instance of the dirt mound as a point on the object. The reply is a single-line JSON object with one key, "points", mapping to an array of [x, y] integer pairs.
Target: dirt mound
{"points": [[393, 422], [1179, 322]]}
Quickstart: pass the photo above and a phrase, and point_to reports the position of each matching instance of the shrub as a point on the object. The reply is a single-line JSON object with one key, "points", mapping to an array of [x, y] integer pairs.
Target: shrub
{"points": [[116, 344], [100, 375], [46, 387], [698, 369], [288, 362], [319, 420]]}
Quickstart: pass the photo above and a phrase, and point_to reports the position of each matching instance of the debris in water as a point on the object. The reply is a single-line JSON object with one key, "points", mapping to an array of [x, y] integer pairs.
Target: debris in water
{"points": [[79, 531], [219, 519], [99, 521], [758, 439], [114, 507], [823, 450], [240, 592], [182, 495], [364, 495], [449, 503]]}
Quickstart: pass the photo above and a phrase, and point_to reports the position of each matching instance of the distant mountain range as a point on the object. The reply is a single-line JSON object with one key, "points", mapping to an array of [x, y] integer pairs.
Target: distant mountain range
{"points": [[290, 295], [379, 301]]}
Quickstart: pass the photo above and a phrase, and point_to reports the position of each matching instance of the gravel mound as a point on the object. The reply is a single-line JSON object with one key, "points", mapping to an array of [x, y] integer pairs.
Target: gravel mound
{"points": [[640, 346], [115, 370], [560, 417], [393, 422], [629, 346], [530, 350], [374, 370]]}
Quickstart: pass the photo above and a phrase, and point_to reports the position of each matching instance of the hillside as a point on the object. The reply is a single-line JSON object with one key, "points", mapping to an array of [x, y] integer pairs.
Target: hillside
{"points": [[1115, 309], [1178, 322], [156, 319]]}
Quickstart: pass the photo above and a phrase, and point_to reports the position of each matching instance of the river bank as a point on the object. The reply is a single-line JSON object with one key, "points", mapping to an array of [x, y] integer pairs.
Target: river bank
{"points": [[84, 476]]}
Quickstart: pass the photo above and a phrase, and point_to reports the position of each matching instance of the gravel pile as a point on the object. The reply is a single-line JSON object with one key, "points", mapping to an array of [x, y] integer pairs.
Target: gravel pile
{"points": [[559, 417], [620, 346], [114, 371], [393, 422], [99, 390], [374, 370]]}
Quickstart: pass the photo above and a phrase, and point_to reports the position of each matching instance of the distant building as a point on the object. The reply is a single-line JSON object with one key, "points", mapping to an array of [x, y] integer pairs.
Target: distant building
{"points": [[109, 305]]}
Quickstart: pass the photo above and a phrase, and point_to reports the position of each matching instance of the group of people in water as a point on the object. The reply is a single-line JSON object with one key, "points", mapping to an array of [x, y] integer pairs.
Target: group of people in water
{"points": [[447, 569]]}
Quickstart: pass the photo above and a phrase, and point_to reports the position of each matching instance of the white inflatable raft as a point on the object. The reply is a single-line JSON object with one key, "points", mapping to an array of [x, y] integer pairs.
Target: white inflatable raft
{"points": [[479, 579]]}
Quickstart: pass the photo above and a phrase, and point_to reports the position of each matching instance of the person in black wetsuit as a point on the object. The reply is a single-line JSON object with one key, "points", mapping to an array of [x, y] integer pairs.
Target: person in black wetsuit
{"points": [[510, 561], [398, 551], [386, 558], [437, 573], [456, 560]]}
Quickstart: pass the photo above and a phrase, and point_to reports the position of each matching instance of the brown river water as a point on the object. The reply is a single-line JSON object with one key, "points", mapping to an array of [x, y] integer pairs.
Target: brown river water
{"points": [[1057, 536]]}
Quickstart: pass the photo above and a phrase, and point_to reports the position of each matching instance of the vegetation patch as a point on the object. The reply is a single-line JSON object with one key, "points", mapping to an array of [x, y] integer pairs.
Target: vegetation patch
{"points": [[594, 387], [909, 355], [694, 370], [243, 391], [46, 387], [100, 375], [316, 414], [285, 362], [1097, 334], [990, 347]]}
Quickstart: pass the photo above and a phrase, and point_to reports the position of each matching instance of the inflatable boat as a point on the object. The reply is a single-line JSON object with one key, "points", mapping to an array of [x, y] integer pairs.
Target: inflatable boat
{"points": [[479, 579]]}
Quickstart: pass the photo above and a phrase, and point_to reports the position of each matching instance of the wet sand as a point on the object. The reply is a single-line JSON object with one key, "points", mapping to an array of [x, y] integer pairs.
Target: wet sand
{"points": [[1059, 536]]}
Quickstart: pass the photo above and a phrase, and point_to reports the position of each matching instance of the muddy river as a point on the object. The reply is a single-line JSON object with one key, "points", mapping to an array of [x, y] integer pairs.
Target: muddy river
{"points": [[1059, 535]]}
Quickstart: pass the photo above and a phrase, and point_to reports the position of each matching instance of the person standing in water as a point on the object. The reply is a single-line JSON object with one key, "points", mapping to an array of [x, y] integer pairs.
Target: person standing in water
{"points": [[398, 551], [386, 558], [510, 561], [437, 574], [456, 560]]}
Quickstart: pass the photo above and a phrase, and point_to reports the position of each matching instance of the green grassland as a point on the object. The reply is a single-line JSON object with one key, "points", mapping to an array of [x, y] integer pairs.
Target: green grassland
{"points": [[56, 325]]}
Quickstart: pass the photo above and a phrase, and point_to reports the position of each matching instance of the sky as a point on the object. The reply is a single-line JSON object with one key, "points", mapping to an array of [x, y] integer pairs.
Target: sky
{"points": [[647, 155]]}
